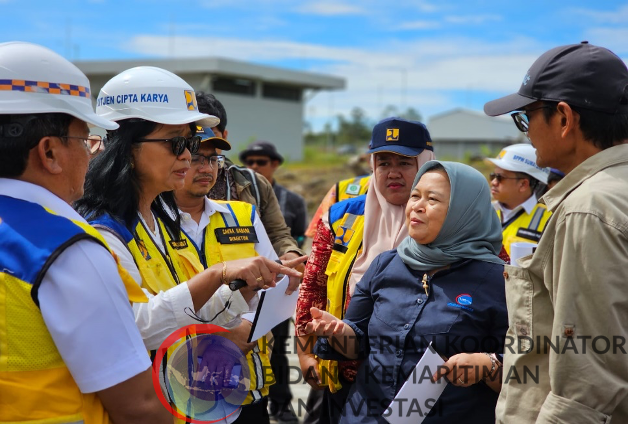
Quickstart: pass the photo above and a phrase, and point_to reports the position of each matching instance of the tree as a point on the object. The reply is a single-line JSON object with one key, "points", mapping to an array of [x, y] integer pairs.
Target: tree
{"points": [[355, 131], [412, 114]]}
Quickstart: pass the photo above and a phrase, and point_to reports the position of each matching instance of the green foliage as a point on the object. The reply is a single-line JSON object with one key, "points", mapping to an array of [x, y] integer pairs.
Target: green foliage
{"points": [[355, 129]]}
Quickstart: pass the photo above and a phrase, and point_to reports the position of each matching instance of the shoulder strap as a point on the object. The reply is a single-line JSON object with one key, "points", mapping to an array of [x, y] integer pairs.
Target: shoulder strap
{"points": [[251, 177]]}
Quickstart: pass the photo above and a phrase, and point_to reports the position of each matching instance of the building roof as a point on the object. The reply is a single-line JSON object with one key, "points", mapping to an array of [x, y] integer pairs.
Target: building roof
{"points": [[464, 124], [218, 66]]}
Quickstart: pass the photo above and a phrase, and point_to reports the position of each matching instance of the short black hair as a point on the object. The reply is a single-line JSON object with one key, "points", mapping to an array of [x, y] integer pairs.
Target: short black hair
{"points": [[208, 103], [602, 129], [21, 133]]}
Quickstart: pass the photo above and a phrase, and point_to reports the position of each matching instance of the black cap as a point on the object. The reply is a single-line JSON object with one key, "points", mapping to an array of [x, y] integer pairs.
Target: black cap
{"points": [[400, 136], [261, 148], [582, 75]]}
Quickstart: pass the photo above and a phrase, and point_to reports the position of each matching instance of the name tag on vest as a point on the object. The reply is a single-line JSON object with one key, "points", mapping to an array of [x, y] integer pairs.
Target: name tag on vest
{"points": [[529, 234], [234, 235], [179, 244]]}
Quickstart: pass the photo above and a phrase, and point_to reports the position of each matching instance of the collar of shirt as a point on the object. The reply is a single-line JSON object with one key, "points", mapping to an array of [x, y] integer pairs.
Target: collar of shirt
{"points": [[37, 194], [606, 158], [528, 206], [194, 230]]}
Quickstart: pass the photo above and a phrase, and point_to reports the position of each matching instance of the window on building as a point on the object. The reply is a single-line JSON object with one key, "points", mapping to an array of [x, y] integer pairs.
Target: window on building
{"points": [[234, 85], [281, 92]]}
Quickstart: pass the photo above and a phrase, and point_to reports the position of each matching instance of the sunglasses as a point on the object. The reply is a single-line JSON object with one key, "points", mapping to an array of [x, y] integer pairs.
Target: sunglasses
{"points": [[259, 162], [179, 144], [522, 120], [213, 161], [500, 177]]}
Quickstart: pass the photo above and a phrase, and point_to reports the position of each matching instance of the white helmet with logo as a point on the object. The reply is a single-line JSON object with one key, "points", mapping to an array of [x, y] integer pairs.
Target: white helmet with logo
{"points": [[34, 79], [521, 158], [153, 94]]}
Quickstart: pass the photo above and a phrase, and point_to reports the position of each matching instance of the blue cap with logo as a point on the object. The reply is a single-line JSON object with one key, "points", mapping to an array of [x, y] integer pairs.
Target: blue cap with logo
{"points": [[400, 136], [207, 134]]}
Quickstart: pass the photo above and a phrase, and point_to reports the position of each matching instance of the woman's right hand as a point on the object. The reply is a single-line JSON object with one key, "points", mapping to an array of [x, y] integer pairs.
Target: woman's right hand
{"points": [[260, 272], [324, 324]]}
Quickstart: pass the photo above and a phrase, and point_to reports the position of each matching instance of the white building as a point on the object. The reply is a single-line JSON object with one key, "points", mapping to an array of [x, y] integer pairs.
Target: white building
{"points": [[262, 102], [461, 133]]}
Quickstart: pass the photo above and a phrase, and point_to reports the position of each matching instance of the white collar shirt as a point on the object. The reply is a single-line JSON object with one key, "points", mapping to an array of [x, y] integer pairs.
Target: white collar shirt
{"points": [[85, 305]]}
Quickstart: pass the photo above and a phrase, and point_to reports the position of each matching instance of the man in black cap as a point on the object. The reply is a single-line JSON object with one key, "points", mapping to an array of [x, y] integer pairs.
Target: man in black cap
{"points": [[573, 105], [263, 158]]}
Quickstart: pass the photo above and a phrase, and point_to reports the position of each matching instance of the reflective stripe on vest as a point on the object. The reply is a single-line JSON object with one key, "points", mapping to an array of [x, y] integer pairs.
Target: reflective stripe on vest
{"points": [[241, 214], [347, 224]]}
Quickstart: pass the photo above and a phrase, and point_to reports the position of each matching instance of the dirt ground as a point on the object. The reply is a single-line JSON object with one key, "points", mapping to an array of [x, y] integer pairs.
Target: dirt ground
{"points": [[313, 182]]}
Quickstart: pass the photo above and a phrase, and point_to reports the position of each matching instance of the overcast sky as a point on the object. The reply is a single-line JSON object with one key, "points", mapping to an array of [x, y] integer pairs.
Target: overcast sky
{"points": [[430, 55]]}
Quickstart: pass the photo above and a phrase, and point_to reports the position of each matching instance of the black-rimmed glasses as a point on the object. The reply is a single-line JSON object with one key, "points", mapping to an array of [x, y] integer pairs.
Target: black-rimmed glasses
{"points": [[213, 160], [522, 120], [179, 144], [500, 177]]}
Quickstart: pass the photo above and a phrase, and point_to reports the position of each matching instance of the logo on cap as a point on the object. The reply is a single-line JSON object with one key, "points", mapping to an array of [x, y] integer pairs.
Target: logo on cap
{"points": [[190, 100], [501, 154], [525, 79], [392, 134]]}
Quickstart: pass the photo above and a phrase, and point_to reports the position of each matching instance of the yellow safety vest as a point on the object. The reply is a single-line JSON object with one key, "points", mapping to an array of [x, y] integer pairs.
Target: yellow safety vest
{"points": [[35, 384], [524, 227], [159, 271], [352, 187], [230, 236], [347, 224]]}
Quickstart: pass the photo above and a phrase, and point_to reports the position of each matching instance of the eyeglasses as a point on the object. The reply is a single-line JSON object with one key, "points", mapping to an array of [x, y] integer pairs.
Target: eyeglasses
{"points": [[94, 143], [87, 141], [259, 162], [522, 119], [213, 161], [500, 177], [179, 144]]}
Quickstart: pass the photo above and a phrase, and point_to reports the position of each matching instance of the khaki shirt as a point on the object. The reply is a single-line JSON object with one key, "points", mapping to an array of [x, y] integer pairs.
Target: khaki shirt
{"points": [[573, 293]]}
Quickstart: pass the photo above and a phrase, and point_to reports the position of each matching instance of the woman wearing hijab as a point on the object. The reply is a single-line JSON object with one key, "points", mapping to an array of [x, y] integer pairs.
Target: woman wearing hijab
{"points": [[349, 238], [444, 285]]}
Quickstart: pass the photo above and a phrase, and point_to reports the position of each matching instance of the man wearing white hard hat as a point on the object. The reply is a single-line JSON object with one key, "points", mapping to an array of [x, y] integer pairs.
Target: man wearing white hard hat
{"points": [[516, 183], [129, 197], [69, 347]]}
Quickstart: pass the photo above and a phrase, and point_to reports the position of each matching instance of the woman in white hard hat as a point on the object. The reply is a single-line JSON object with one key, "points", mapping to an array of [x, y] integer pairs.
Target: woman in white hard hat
{"points": [[128, 197]]}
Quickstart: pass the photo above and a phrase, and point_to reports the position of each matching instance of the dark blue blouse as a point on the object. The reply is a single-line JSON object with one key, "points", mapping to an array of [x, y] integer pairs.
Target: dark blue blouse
{"points": [[394, 322]]}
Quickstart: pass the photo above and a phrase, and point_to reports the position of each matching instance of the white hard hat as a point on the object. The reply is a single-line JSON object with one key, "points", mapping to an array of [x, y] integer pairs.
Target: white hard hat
{"points": [[521, 158], [153, 94], [34, 79]]}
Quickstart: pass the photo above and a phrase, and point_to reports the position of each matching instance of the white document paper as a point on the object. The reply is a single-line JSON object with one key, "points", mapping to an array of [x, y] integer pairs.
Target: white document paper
{"points": [[274, 307], [520, 250], [418, 393]]}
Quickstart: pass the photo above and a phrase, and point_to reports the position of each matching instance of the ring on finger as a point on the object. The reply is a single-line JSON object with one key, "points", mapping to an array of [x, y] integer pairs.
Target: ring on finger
{"points": [[260, 278]]}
